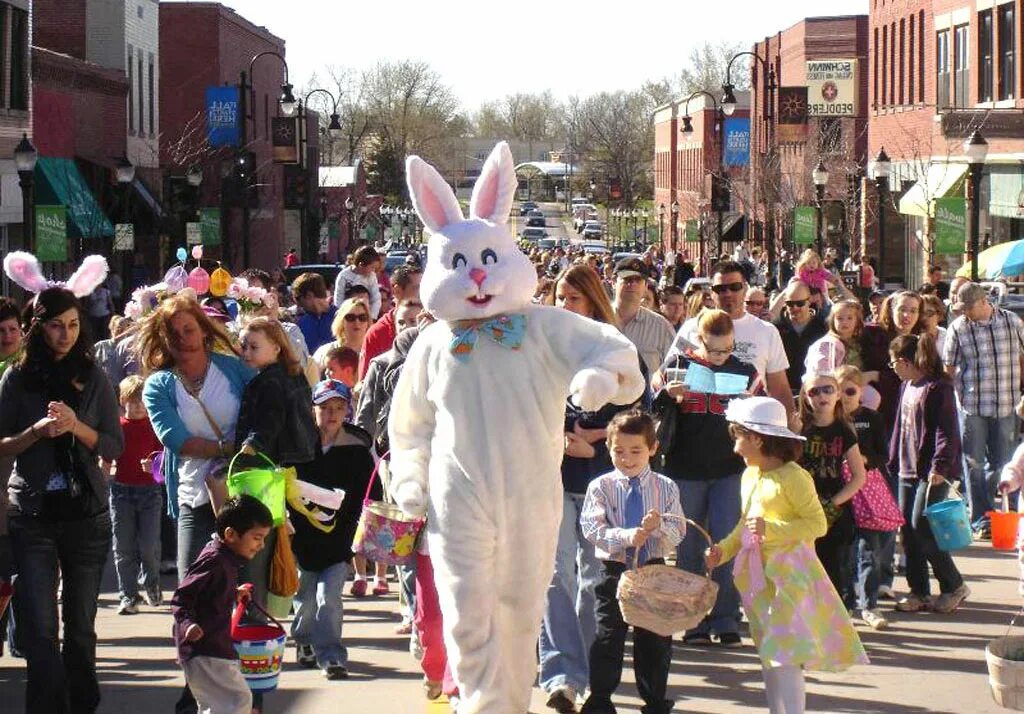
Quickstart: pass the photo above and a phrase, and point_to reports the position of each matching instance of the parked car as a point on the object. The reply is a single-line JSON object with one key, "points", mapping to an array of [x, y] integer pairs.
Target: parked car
{"points": [[533, 234], [579, 200], [535, 213], [547, 243], [595, 247], [328, 270], [393, 259], [535, 222], [593, 230], [526, 206], [621, 255]]}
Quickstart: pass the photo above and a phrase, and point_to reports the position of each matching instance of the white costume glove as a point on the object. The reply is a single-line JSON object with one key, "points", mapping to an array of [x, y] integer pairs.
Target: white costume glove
{"points": [[412, 499], [593, 388]]}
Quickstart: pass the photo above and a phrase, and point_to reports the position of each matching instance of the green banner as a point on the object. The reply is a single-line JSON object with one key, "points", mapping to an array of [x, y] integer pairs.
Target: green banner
{"points": [[950, 225], [805, 225], [52, 233], [209, 225], [691, 231]]}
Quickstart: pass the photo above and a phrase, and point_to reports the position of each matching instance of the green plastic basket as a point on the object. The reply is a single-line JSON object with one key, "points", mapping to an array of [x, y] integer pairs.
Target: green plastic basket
{"points": [[267, 485]]}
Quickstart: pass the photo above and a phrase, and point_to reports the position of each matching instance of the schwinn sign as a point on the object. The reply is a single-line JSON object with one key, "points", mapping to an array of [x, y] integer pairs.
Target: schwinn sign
{"points": [[832, 88]]}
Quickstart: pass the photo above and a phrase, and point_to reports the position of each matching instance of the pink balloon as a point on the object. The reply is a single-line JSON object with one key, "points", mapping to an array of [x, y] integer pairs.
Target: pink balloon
{"points": [[199, 280], [197, 252]]}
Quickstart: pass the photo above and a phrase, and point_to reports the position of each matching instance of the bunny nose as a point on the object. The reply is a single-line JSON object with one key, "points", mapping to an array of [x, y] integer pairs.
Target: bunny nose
{"points": [[478, 276]]}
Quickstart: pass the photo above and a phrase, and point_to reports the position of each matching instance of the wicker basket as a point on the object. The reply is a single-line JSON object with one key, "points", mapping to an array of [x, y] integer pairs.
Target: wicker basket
{"points": [[1006, 676], [666, 600]]}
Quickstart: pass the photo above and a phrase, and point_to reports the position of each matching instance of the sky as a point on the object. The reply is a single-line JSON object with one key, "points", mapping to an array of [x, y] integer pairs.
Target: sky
{"points": [[569, 46]]}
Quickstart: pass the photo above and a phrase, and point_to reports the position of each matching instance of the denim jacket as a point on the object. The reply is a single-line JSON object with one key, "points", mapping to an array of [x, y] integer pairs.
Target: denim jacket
{"points": [[161, 400]]}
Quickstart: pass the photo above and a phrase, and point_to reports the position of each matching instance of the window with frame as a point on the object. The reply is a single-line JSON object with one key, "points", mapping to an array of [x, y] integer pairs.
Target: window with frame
{"points": [[985, 49], [131, 89], [892, 63], [961, 65], [885, 65], [830, 135], [151, 97], [942, 69], [920, 57], [142, 101], [18, 83], [911, 63], [1007, 51], [903, 60], [875, 65]]}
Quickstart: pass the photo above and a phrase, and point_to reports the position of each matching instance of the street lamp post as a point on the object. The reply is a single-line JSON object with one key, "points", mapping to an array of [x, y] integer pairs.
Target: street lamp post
{"points": [[674, 209], [729, 106], [287, 105], [880, 172], [334, 131], [976, 148], [661, 228], [25, 157], [820, 177], [125, 173], [349, 210], [687, 128]]}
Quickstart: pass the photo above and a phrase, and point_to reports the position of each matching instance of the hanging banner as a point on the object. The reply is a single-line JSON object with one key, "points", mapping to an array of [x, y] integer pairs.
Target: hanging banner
{"points": [[691, 232], [832, 88], [209, 221], [792, 114], [222, 116], [124, 236], [805, 225], [51, 233], [284, 136], [950, 225], [737, 141]]}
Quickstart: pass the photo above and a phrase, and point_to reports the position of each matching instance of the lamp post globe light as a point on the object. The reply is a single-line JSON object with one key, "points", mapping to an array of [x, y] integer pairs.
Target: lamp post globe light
{"points": [[729, 97], [287, 100], [820, 178], [25, 157], [976, 148], [880, 173], [125, 170]]}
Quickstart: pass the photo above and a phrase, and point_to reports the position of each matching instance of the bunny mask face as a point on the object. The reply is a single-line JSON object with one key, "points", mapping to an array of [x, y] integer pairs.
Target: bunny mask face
{"points": [[474, 268]]}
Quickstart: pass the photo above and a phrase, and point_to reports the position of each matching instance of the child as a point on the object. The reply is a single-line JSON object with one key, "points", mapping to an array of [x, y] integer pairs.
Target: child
{"points": [[622, 517], [136, 503], [324, 550], [203, 602], [870, 544], [811, 272], [310, 292], [830, 444], [925, 449], [342, 364], [1011, 480], [797, 619], [365, 263]]}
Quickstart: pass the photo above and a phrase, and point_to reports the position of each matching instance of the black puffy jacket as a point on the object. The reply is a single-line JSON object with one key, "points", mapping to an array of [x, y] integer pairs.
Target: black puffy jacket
{"points": [[276, 417]]}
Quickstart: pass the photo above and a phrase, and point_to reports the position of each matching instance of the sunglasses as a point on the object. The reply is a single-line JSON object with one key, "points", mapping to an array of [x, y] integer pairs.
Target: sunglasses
{"points": [[825, 389], [357, 317], [850, 391], [728, 287], [796, 303]]}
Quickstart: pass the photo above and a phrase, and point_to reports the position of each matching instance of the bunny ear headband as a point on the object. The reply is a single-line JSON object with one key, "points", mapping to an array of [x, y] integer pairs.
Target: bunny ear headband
{"points": [[24, 269]]}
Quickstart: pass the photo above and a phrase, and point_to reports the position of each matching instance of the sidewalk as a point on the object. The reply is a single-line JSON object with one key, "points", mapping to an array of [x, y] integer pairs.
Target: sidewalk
{"points": [[924, 663]]}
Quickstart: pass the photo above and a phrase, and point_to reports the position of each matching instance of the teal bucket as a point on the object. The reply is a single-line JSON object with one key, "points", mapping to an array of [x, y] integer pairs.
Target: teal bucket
{"points": [[949, 523]]}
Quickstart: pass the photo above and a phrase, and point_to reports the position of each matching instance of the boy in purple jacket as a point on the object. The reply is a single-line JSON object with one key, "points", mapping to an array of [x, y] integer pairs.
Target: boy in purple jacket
{"points": [[202, 607]]}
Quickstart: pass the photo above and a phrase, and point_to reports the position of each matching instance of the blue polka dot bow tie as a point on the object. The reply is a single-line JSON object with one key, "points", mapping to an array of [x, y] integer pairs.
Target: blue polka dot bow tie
{"points": [[507, 330]]}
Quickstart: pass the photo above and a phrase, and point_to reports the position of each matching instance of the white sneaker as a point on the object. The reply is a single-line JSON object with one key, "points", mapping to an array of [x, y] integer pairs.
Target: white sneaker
{"points": [[128, 606], [562, 699], [874, 619]]}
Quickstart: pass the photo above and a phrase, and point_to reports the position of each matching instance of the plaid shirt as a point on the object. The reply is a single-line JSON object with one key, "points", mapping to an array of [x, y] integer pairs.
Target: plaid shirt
{"points": [[986, 360]]}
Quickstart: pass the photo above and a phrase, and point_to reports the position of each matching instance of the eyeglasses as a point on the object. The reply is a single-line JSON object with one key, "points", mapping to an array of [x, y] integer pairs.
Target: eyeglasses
{"points": [[850, 391], [728, 287], [796, 303], [894, 362], [718, 353], [825, 389], [357, 317]]}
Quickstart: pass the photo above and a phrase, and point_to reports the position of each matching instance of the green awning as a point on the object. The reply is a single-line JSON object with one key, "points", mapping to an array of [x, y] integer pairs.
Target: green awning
{"points": [[58, 182]]}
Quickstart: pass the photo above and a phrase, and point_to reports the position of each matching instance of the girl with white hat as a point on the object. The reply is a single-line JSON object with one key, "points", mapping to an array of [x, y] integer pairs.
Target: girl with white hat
{"points": [[797, 619]]}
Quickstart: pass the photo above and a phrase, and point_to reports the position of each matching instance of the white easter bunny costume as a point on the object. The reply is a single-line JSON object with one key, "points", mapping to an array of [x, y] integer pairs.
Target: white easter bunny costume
{"points": [[476, 429]]}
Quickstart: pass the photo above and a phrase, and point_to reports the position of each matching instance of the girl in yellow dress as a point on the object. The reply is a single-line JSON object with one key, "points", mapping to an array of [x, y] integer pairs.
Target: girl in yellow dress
{"points": [[797, 619]]}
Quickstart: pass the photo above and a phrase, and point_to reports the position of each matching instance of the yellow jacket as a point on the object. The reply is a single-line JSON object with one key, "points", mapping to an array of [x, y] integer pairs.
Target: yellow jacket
{"points": [[785, 497]]}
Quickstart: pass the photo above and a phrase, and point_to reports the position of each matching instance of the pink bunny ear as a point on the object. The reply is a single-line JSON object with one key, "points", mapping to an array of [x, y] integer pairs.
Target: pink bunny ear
{"points": [[495, 190], [24, 269], [431, 196], [89, 276]]}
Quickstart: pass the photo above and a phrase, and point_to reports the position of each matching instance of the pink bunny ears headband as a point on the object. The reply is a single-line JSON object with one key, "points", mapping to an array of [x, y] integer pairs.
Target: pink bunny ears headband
{"points": [[24, 269]]}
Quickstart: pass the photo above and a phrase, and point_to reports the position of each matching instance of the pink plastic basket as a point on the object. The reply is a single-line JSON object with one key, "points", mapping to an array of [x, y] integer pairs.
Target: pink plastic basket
{"points": [[385, 533]]}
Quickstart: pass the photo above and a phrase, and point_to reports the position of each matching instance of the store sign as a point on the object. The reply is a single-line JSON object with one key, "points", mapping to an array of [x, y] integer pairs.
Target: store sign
{"points": [[51, 233], [222, 116], [832, 88], [737, 141], [194, 233], [209, 221], [792, 115], [284, 135], [805, 225], [124, 236], [950, 225]]}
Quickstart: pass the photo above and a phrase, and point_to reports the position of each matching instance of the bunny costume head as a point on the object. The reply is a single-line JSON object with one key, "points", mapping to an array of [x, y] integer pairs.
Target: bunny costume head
{"points": [[24, 269], [474, 268]]}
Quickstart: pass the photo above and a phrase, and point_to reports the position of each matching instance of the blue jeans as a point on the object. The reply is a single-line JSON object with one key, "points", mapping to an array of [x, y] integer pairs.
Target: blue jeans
{"points": [[195, 528], [135, 511], [869, 548], [319, 613], [570, 608], [988, 440], [919, 541], [61, 666], [715, 505]]}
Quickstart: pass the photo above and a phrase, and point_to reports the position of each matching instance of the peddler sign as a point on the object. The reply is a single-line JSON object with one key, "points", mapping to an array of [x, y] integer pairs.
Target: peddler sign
{"points": [[832, 88]]}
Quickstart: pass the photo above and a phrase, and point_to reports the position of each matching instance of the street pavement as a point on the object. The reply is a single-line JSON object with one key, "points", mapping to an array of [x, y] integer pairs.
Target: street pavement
{"points": [[924, 663]]}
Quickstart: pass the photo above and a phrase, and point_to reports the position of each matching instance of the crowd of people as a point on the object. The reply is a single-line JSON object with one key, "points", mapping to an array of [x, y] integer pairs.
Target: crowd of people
{"points": [[782, 407]]}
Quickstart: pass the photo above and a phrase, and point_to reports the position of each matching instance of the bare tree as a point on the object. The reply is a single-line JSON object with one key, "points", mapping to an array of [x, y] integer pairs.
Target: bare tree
{"points": [[706, 69]]}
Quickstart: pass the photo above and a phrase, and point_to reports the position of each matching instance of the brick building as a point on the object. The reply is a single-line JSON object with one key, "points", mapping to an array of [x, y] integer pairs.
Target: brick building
{"points": [[687, 154], [792, 131], [15, 117], [939, 70], [205, 44]]}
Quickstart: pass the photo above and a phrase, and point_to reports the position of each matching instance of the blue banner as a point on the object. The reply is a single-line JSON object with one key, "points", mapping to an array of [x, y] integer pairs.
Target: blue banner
{"points": [[737, 141], [222, 116]]}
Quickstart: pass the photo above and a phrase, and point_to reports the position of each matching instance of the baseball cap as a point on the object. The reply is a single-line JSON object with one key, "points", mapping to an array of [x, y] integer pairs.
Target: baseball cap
{"points": [[630, 267], [331, 389], [968, 294]]}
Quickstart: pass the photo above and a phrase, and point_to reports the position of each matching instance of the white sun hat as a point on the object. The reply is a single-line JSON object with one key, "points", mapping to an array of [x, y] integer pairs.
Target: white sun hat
{"points": [[763, 415]]}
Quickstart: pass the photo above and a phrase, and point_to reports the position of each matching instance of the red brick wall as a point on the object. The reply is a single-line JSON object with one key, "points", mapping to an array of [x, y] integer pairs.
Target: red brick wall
{"points": [[59, 25]]}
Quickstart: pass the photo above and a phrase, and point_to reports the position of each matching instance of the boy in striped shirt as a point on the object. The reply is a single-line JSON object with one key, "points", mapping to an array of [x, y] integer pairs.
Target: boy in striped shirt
{"points": [[622, 517]]}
